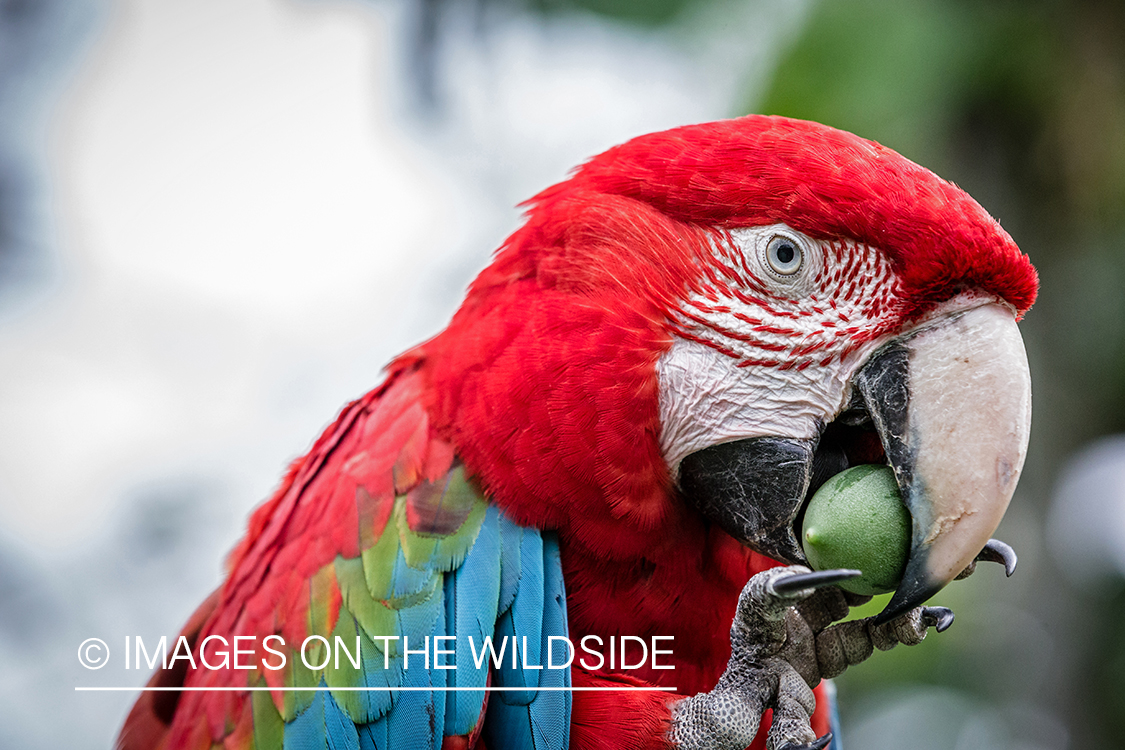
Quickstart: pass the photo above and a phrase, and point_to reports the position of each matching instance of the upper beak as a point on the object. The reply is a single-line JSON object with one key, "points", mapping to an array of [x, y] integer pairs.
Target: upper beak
{"points": [[951, 400]]}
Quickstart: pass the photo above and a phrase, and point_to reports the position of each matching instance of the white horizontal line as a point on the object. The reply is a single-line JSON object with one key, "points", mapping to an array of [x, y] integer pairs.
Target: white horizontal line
{"points": [[375, 689]]}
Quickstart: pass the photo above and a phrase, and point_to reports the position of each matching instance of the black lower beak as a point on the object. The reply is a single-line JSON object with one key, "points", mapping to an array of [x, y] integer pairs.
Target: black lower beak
{"points": [[753, 489]]}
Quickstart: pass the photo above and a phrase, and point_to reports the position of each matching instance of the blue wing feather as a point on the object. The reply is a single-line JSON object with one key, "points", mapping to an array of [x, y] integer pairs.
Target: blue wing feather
{"points": [[511, 535], [527, 608], [418, 718], [471, 599], [538, 719], [550, 711], [340, 729], [522, 624], [306, 731], [373, 735]]}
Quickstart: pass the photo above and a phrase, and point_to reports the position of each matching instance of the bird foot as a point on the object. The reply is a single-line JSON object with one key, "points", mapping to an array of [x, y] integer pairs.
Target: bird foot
{"points": [[783, 643]]}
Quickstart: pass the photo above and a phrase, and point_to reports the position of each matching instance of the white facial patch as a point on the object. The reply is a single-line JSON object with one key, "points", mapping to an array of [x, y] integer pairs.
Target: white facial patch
{"points": [[762, 353], [705, 399]]}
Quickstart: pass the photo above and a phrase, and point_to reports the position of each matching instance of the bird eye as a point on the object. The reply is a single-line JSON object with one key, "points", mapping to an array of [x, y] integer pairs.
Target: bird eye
{"points": [[784, 255]]}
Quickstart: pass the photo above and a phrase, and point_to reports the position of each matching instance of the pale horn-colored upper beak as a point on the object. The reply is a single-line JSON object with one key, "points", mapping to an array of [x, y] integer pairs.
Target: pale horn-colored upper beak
{"points": [[951, 400]]}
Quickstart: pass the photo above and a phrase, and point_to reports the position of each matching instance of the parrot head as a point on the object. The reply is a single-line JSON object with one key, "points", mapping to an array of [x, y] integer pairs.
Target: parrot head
{"points": [[717, 318]]}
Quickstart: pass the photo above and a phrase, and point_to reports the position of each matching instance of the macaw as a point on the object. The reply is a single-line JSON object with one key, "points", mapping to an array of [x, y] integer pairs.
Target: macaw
{"points": [[615, 437]]}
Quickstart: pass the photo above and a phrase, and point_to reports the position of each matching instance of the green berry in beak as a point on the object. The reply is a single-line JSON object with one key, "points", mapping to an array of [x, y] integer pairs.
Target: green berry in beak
{"points": [[857, 520]]}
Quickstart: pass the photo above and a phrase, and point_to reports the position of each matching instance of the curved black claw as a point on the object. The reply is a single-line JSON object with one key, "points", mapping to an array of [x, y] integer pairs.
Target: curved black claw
{"points": [[998, 552], [818, 744], [802, 581], [939, 618]]}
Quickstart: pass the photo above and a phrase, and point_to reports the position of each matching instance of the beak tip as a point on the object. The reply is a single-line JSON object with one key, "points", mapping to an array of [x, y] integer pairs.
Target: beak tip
{"points": [[912, 592]]}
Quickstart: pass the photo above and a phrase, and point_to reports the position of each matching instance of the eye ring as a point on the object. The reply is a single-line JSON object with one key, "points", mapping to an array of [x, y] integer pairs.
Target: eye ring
{"points": [[784, 255]]}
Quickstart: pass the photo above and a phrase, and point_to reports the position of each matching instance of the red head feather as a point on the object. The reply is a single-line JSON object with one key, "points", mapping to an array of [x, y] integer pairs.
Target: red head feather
{"points": [[825, 182]]}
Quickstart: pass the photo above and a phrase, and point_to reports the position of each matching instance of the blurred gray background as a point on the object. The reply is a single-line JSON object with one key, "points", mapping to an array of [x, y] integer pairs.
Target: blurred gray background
{"points": [[220, 218]]}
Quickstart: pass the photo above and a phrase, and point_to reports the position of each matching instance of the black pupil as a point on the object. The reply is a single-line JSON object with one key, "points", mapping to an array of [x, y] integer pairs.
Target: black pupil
{"points": [[786, 253]]}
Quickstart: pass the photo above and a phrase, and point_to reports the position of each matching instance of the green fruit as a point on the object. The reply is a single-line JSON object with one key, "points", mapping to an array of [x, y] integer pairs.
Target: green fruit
{"points": [[857, 520]]}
